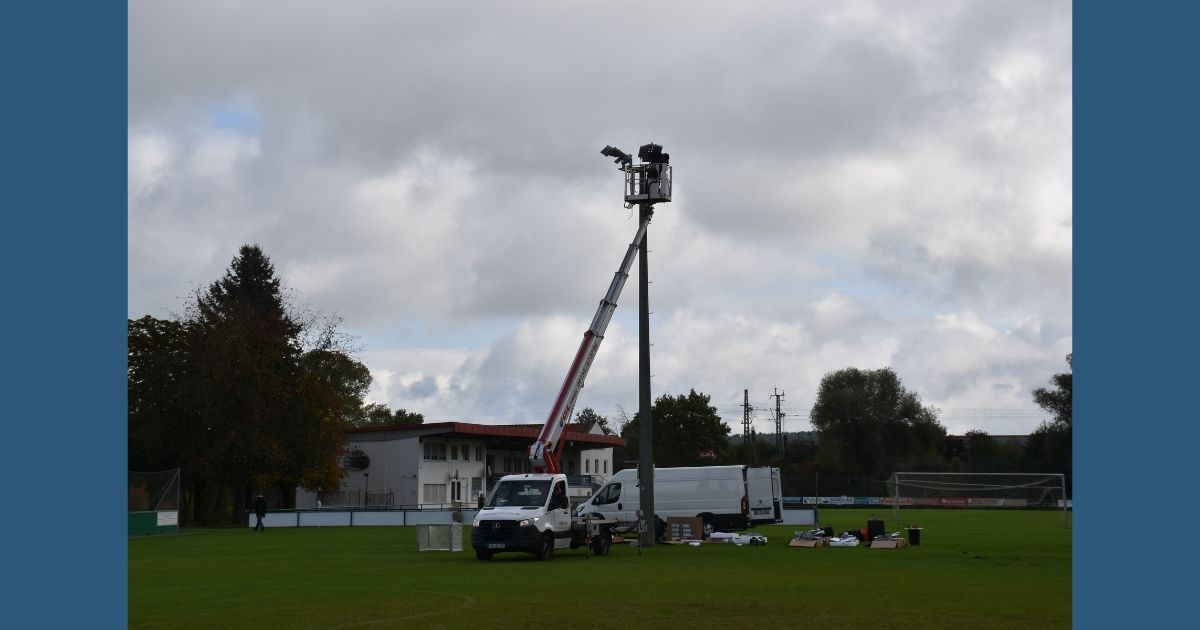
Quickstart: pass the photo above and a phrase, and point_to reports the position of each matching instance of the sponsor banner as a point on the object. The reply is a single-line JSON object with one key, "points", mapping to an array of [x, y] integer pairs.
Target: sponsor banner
{"points": [[997, 502], [943, 501], [842, 500], [168, 519], [911, 501]]}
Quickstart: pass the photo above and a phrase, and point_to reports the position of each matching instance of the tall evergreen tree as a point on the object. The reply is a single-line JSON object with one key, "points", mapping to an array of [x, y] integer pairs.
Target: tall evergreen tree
{"points": [[247, 369]]}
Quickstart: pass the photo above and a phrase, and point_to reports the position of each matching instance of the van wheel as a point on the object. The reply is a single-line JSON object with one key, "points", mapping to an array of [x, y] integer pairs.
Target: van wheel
{"points": [[660, 528], [545, 550], [709, 528], [483, 554], [602, 544]]}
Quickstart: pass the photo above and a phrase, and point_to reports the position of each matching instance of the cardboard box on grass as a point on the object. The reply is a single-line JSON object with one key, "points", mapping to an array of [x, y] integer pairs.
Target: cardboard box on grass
{"points": [[888, 544], [810, 544], [693, 523]]}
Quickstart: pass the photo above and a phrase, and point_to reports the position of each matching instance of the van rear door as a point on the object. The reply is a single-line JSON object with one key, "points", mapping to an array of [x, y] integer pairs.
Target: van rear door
{"points": [[762, 486]]}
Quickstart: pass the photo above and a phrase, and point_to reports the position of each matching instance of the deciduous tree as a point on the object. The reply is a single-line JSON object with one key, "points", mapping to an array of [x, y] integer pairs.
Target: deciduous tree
{"points": [[1048, 448], [1058, 400], [867, 423], [687, 431], [588, 415]]}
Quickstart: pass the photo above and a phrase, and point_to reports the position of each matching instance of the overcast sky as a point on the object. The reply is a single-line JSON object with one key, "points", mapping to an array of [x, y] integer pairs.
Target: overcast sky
{"points": [[862, 184]]}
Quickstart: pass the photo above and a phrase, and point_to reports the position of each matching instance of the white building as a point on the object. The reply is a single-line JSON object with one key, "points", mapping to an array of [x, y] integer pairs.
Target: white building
{"points": [[444, 464]]}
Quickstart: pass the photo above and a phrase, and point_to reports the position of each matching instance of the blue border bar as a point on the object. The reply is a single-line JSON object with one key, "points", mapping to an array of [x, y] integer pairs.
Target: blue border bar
{"points": [[63, 166], [1136, 172]]}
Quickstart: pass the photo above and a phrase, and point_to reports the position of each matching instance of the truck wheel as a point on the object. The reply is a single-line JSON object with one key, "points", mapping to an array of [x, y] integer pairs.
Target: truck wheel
{"points": [[708, 524], [660, 528], [602, 544], [483, 554], [545, 550]]}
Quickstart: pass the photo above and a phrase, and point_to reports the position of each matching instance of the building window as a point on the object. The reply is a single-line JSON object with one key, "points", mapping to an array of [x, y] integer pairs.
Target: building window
{"points": [[434, 493], [454, 452], [476, 486], [435, 451], [606, 466], [478, 453], [587, 466]]}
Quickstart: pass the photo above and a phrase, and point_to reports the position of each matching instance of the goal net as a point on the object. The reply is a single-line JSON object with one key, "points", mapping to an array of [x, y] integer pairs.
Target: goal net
{"points": [[154, 502], [440, 537], [973, 490]]}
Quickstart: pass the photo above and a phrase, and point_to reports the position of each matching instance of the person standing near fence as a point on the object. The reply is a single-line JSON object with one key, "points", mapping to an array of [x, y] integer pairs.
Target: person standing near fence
{"points": [[260, 510]]}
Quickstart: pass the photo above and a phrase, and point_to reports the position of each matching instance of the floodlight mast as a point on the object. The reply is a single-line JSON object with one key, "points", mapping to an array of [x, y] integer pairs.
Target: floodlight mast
{"points": [[646, 182]]}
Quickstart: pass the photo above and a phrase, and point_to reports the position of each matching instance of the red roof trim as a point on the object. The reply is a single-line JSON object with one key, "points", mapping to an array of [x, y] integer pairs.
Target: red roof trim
{"points": [[530, 431]]}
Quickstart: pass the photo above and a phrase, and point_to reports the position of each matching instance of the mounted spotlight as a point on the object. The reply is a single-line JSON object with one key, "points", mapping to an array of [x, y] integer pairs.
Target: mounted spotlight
{"points": [[648, 182], [620, 157], [653, 153]]}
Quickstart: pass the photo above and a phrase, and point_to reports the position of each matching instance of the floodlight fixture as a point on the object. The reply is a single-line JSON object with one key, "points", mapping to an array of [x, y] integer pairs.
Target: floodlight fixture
{"points": [[620, 157], [653, 153]]}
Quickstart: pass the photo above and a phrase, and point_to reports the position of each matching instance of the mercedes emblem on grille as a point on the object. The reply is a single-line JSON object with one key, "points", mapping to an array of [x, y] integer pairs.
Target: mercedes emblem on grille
{"points": [[496, 526]]}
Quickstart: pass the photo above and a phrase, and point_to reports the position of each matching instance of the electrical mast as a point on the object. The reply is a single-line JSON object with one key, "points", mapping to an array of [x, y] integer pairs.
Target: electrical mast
{"points": [[778, 423], [747, 442]]}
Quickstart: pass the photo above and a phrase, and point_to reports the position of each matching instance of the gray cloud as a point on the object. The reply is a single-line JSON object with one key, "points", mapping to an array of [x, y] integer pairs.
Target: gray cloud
{"points": [[860, 182]]}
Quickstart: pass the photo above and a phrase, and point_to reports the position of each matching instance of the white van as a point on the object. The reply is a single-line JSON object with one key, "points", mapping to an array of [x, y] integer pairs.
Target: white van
{"points": [[716, 494], [766, 495]]}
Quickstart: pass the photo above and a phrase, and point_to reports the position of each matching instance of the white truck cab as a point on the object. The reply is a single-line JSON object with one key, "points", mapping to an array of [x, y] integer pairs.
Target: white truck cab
{"points": [[531, 513]]}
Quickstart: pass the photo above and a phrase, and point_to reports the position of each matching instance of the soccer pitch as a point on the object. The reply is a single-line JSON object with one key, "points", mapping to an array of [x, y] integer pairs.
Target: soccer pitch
{"points": [[973, 569]]}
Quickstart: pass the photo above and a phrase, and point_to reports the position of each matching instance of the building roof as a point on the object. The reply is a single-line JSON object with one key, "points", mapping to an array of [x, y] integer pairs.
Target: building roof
{"points": [[516, 435]]}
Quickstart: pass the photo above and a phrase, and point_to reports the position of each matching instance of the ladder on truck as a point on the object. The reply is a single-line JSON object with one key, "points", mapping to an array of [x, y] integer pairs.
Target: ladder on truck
{"points": [[544, 453]]}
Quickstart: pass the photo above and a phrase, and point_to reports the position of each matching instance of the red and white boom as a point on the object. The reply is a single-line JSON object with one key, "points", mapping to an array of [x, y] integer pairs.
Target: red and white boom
{"points": [[545, 452]]}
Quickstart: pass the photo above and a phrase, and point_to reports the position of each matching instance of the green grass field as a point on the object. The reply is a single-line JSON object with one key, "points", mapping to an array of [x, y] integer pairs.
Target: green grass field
{"points": [[973, 569]]}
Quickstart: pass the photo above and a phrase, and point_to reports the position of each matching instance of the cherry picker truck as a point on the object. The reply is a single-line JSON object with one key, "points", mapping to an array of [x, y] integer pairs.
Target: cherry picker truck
{"points": [[531, 512]]}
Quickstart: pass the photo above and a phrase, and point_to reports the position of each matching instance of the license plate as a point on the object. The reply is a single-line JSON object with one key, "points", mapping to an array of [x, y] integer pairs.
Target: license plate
{"points": [[495, 545]]}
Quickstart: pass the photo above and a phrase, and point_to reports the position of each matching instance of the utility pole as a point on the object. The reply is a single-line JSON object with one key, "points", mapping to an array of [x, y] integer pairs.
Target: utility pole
{"points": [[778, 423], [747, 443]]}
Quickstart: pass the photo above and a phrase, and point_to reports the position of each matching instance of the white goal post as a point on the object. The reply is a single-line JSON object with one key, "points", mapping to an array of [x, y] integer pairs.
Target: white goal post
{"points": [[992, 490]]}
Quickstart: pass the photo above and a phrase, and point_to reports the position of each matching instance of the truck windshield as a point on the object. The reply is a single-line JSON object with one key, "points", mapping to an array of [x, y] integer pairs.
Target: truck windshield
{"points": [[520, 493]]}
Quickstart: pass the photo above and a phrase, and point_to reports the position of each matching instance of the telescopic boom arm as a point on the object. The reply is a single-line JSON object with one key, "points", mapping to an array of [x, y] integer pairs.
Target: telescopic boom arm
{"points": [[545, 452]]}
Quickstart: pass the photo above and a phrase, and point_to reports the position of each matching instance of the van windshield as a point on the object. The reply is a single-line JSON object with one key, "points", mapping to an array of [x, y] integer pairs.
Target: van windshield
{"points": [[520, 493]]}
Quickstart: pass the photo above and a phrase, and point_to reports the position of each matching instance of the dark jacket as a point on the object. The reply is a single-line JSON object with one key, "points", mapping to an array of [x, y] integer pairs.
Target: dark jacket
{"points": [[260, 506]]}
